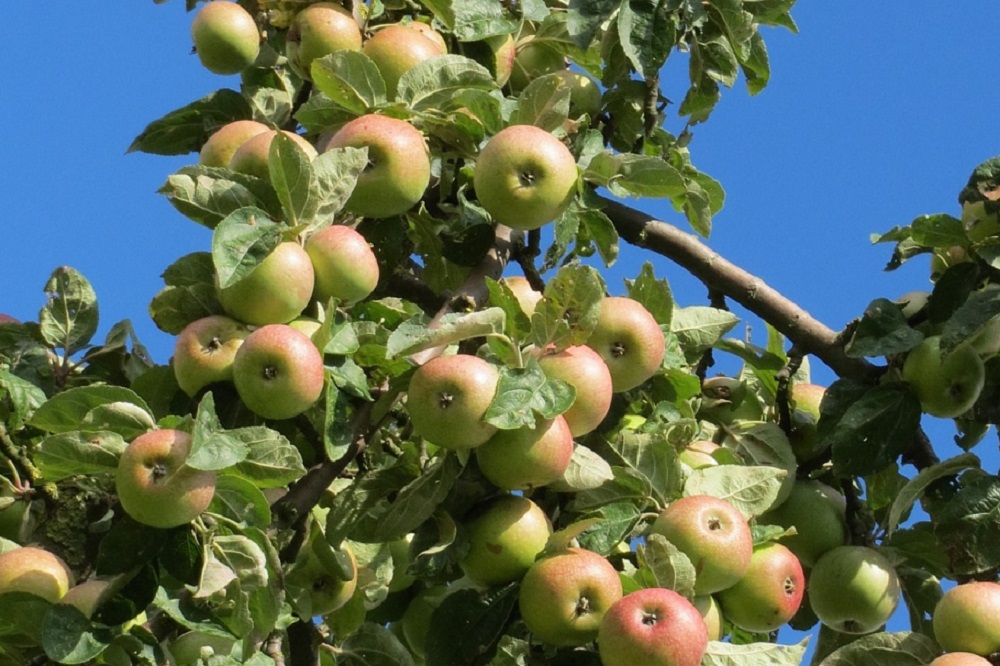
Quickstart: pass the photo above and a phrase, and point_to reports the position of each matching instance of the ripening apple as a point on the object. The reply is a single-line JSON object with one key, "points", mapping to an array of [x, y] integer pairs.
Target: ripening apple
{"points": [[725, 400], [317, 31], [819, 515], [652, 627], [253, 154], [192, 646], [344, 264], [314, 585], [88, 596], [448, 397], [276, 291], [218, 150], [226, 37], [7, 319], [34, 571], [960, 659], [525, 177], [156, 487], [564, 596], [526, 458], [714, 536], [526, 295], [534, 58], [853, 589], [770, 592], [805, 412], [398, 48], [399, 167], [204, 352], [629, 340], [505, 537], [278, 372], [711, 613], [947, 385], [967, 618], [496, 53], [582, 368]]}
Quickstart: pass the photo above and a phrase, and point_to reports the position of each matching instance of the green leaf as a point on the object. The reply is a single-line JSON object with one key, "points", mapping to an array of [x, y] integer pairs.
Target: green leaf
{"points": [[186, 129], [951, 290], [585, 18], [241, 501], [271, 460], [419, 499], [127, 546], [700, 327], [69, 638], [916, 486], [337, 171], [467, 626], [600, 230], [883, 330], [544, 103], [874, 430], [967, 526], [643, 177], [751, 489], [173, 308], [653, 294], [648, 32], [756, 66], [661, 564], [374, 645], [766, 445], [241, 242], [414, 335], [213, 448], [24, 398], [207, 195], [351, 80], [523, 392], [885, 649], [754, 654], [653, 458], [568, 312], [433, 83], [68, 410], [479, 19], [617, 520], [293, 179], [971, 318], [69, 454], [69, 318], [586, 470], [938, 231]]}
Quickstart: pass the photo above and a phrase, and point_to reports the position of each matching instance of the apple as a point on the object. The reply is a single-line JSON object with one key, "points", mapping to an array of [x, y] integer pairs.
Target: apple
{"points": [[218, 150], [726, 400], [226, 37], [88, 596], [34, 571], [805, 413], [525, 294], [583, 369], [564, 596], [430, 33], [306, 326], [7, 319], [278, 372], [652, 627], [819, 515], [399, 551], [252, 156], [946, 385], [505, 537], [497, 54], [16, 519], [399, 167], [532, 59], [943, 259], [960, 659], [913, 302], [448, 397], [192, 646], [276, 291], [416, 621], [967, 618], [584, 94], [711, 614], [313, 584], [317, 31], [714, 536], [770, 592], [629, 340], [344, 264], [154, 485], [853, 589], [397, 48], [525, 177], [526, 458], [204, 352], [698, 454]]}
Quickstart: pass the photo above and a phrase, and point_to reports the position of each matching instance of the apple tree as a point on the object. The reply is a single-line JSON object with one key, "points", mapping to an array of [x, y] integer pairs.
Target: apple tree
{"points": [[408, 420]]}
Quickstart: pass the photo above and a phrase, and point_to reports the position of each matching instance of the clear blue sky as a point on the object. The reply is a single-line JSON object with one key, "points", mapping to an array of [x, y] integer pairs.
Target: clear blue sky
{"points": [[876, 113]]}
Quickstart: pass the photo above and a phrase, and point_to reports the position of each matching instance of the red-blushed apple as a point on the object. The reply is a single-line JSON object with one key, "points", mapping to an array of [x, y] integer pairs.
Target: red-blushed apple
{"points": [[399, 167], [34, 571], [629, 340], [226, 37], [499, 57], [276, 291], [525, 177], [819, 515], [317, 31], [344, 264], [525, 294], [770, 592], [947, 385], [967, 618], [448, 397], [698, 454], [204, 352], [711, 614], [278, 372], [88, 596], [7, 319], [564, 596], [430, 33], [853, 589], [156, 487], [252, 156], [218, 150], [805, 412], [505, 537], [714, 536], [652, 627], [526, 458], [583, 369], [960, 659], [398, 48]]}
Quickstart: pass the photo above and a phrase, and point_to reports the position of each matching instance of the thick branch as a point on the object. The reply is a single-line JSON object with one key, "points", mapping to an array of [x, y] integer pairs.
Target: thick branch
{"points": [[687, 251]]}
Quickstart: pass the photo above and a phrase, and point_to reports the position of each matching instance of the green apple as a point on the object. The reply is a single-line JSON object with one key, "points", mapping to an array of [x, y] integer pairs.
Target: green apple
{"points": [[943, 259], [505, 537], [525, 177], [416, 621], [629, 340], [276, 291], [564, 596], [17, 522], [711, 613], [853, 589], [525, 294], [191, 646], [315, 588], [399, 167], [947, 385], [156, 487], [584, 94], [307, 326], [583, 369], [344, 264], [526, 458], [88, 596], [805, 413], [204, 352], [960, 659], [726, 400], [278, 372], [397, 48], [34, 571], [448, 397], [698, 454], [317, 31], [253, 154], [913, 302], [218, 150], [652, 627], [818, 514], [496, 53], [714, 536], [399, 550], [770, 592], [532, 59], [967, 618], [226, 37]]}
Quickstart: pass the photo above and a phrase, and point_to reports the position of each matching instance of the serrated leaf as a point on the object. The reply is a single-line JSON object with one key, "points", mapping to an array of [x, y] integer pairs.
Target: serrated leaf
{"points": [[186, 129], [68, 637], [241, 242], [885, 649], [653, 294], [207, 195], [652, 177], [73, 453], [751, 489], [468, 624], [240, 501], [968, 524], [271, 460], [337, 171], [568, 312], [544, 103], [661, 564], [874, 430], [434, 82], [419, 499], [294, 180], [523, 392], [754, 654], [69, 318], [648, 33], [916, 486], [24, 398], [68, 410], [374, 645], [350, 79], [586, 470], [699, 327], [414, 335], [883, 330], [213, 448]]}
